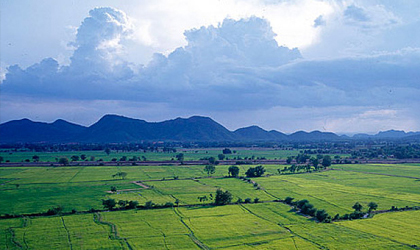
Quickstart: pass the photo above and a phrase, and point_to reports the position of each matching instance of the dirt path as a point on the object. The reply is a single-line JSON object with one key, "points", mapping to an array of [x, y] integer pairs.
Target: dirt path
{"points": [[140, 184]]}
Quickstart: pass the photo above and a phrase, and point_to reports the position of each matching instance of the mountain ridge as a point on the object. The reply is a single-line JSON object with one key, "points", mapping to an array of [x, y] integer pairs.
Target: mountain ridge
{"points": [[113, 128]]}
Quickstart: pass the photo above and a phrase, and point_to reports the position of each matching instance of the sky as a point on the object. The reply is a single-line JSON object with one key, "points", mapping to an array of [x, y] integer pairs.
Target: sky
{"points": [[343, 66]]}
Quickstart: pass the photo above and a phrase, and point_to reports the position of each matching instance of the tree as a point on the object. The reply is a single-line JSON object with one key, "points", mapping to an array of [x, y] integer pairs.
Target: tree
{"points": [[301, 158], [326, 161], [202, 198], [74, 158], [233, 171], [210, 169], [357, 207], [180, 157], [212, 160], [222, 198], [314, 162], [107, 151], [300, 203], [55, 210], [321, 215], [221, 157], [132, 204], [63, 161], [288, 200], [226, 151], [109, 203], [372, 206], [35, 158], [122, 203], [120, 174], [289, 159], [337, 159], [258, 171], [83, 157], [113, 189], [149, 204], [308, 209]]}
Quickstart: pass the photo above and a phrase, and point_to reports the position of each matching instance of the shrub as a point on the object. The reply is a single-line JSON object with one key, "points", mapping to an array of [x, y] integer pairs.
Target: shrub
{"points": [[300, 203], [288, 200]]}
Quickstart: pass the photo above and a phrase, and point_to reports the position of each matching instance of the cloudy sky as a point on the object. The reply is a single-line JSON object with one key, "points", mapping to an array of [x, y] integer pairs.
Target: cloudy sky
{"points": [[345, 66]]}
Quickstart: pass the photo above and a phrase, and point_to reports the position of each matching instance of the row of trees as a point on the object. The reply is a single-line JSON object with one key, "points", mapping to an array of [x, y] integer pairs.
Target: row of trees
{"points": [[122, 204], [324, 160], [233, 171], [305, 207]]}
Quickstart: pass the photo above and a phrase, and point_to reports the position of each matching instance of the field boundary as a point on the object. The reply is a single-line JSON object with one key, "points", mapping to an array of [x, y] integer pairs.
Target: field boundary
{"points": [[286, 228], [191, 234], [97, 218]]}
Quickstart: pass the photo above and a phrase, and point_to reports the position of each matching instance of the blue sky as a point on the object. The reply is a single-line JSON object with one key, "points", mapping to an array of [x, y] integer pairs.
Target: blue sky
{"points": [[340, 66]]}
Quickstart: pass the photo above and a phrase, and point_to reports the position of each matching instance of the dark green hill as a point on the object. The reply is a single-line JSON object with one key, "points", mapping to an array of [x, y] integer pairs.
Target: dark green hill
{"points": [[25, 130]]}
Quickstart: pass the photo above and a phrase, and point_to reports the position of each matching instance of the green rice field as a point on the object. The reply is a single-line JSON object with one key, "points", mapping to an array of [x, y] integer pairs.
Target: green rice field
{"points": [[197, 224]]}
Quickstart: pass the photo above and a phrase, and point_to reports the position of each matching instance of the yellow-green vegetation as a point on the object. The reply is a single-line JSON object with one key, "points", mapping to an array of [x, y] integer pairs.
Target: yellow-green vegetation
{"points": [[250, 226], [189, 154], [400, 227], [410, 170], [196, 223], [337, 191]]}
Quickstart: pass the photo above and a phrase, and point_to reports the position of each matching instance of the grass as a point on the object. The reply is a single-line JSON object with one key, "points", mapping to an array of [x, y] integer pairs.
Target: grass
{"points": [[337, 191], [402, 227], [189, 154], [412, 170], [250, 226], [269, 225]]}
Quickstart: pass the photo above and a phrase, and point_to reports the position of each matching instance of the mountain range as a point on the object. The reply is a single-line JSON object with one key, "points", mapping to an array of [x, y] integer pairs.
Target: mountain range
{"points": [[119, 129]]}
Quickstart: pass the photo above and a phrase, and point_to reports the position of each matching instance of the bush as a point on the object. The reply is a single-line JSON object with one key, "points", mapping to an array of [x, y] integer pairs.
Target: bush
{"points": [[109, 203], [222, 198], [149, 204], [255, 172], [248, 200], [168, 204], [300, 203], [288, 200], [308, 209], [132, 204], [321, 215], [256, 200], [55, 210]]}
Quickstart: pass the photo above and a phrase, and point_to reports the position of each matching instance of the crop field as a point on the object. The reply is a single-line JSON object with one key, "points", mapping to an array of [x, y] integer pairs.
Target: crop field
{"points": [[189, 154], [337, 191], [250, 226], [197, 224], [396, 226], [408, 170]]}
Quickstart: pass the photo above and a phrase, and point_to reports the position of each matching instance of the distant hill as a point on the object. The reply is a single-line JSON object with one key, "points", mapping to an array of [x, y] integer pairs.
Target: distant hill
{"points": [[120, 129], [255, 133], [389, 134], [113, 128], [25, 130], [314, 136]]}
